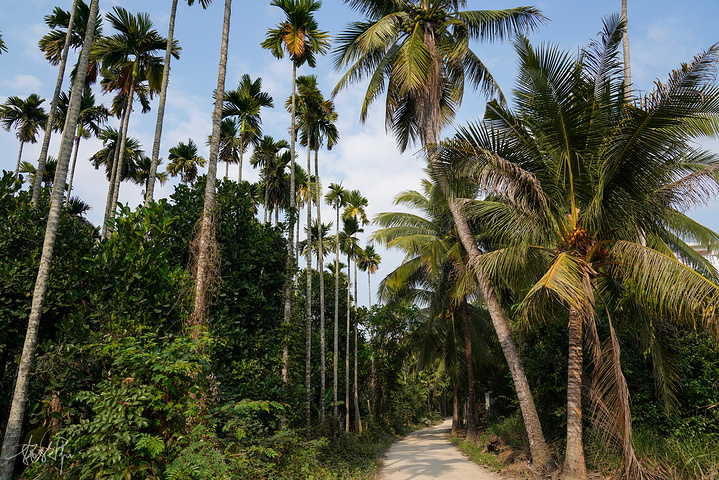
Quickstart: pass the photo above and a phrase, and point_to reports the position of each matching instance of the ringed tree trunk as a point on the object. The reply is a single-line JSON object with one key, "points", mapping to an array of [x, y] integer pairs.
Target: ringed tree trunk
{"points": [[17, 410], [19, 157], [161, 107], [321, 270], [206, 251], [40, 170], [337, 316], [574, 464], [455, 407], [242, 151], [113, 175], [627, 64], [471, 409], [308, 311], [347, 349], [291, 230], [355, 390], [72, 170]]}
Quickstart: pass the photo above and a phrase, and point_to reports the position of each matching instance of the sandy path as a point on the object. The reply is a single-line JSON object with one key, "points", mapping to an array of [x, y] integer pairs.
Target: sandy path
{"points": [[428, 453]]}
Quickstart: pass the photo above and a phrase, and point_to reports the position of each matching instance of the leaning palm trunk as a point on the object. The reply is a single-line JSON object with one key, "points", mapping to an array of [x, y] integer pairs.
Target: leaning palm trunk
{"points": [[17, 409], [161, 107], [72, 170], [40, 170], [206, 239], [121, 157], [471, 410], [114, 171], [321, 270], [308, 310], [289, 267], [19, 157]]}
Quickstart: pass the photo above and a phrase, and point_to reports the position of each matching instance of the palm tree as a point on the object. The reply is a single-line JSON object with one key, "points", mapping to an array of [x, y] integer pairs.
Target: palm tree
{"points": [[629, 171], [154, 162], [48, 175], [142, 172], [130, 56], [315, 240], [336, 197], [349, 244], [625, 45], [244, 104], [184, 161], [17, 409], [3, 47], [368, 261], [88, 123], [27, 116], [229, 143], [107, 155], [299, 35], [418, 51], [265, 156], [206, 236]]}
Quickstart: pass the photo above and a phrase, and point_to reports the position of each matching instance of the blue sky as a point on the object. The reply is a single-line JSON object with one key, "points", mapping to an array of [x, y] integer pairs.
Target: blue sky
{"points": [[663, 34]]}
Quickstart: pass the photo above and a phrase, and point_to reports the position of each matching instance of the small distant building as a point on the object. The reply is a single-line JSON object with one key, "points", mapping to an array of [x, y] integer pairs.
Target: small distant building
{"points": [[704, 252]]}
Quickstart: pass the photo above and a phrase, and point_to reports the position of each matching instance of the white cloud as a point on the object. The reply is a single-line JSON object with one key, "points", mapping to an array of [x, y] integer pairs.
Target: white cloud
{"points": [[22, 85]]}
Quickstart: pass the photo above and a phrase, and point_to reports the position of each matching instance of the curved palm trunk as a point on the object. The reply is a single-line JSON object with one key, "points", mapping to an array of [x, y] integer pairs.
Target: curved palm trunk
{"points": [[290, 241], [335, 409], [40, 170], [19, 157], [161, 107], [121, 156], [308, 312], [472, 408], [206, 235], [321, 270], [574, 465], [17, 409], [72, 170]]}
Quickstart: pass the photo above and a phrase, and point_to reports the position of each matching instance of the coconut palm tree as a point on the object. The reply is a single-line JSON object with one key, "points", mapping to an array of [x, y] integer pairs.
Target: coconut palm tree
{"points": [[418, 51], [27, 116], [244, 104], [184, 161], [19, 400], [88, 124], [265, 156], [336, 197], [130, 55], [629, 172], [154, 162], [301, 38]]}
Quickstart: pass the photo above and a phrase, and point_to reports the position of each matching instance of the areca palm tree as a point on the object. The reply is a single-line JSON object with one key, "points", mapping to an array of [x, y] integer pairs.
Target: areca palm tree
{"points": [[628, 172], [27, 116], [88, 123], [13, 430], [336, 197], [142, 172], [244, 104], [131, 55], [106, 156], [369, 261], [266, 156], [229, 143], [184, 161], [418, 51], [299, 36], [3, 47], [154, 161]]}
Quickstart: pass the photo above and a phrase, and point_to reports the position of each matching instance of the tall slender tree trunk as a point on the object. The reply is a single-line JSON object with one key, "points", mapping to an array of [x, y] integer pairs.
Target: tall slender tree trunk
{"points": [[321, 270], [574, 465], [627, 63], [19, 157], [72, 170], [161, 107], [242, 151], [40, 170], [472, 408], [13, 432], [114, 172], [335, 409], [290, 241], [206, 257], [308, 309], [455, 407], [347, 348], [358, 419], [123, 143]]}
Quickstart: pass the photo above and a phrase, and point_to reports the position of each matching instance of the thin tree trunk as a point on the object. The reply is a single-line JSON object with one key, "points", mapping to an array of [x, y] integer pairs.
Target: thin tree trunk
{"points": [[358, 418], [289, 270], [40, 170], [161, 107], [17, 410], [120, 157], [574, 465], [72, 170], [455, 407], [206, 240], [19, 157], [347, 349], [471, 411], [114, 172], [242, 152], [308, 310], [627, 63], [337, 317], [321, 270], [227, 169]]}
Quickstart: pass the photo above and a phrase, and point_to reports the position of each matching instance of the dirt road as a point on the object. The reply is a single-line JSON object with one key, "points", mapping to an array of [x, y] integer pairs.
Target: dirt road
{"points": [[428, 453]]}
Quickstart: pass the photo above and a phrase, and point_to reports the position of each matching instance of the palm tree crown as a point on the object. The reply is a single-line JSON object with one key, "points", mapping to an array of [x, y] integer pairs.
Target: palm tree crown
{"points": [[184, 161]]}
